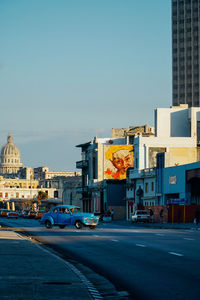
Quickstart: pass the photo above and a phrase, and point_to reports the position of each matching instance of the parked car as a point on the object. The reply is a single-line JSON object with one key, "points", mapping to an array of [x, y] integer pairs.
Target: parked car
{"points": [[4, 212], [31, 214], [39, 214], [25, 213], [63, 215], [140, 216], [12, 214]]}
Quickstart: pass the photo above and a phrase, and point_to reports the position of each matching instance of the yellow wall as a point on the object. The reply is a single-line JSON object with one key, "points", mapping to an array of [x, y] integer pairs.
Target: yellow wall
{"points": [[21, 183], [181, 156]]}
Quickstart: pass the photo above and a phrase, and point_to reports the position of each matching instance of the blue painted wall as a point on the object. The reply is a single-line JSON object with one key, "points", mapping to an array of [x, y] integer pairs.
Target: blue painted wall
{"points": [[116, 193]]}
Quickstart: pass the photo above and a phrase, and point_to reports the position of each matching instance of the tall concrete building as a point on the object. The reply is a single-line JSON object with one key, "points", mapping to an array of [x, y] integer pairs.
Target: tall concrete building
{"points": [[186, 52]]}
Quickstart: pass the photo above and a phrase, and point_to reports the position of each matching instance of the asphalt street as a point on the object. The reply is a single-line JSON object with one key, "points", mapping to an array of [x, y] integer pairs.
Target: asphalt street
{"points": [[147, 263]]}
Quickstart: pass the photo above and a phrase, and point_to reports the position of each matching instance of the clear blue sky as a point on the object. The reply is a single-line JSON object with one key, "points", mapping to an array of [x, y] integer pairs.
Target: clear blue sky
{"points": [[73, 69]]}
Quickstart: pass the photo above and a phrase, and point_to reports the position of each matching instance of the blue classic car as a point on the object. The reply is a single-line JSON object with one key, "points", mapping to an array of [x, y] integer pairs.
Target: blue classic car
{"points": [[63, 215]]}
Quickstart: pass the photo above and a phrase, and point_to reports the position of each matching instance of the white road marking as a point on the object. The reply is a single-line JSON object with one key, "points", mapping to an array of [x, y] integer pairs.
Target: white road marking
{"points": [[140, 245], [174, 253], [114, 240], [189, 239], [160, 234]]}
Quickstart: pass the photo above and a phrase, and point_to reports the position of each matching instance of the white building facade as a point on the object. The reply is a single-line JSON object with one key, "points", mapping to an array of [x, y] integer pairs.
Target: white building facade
{"points": [[177, 134]]}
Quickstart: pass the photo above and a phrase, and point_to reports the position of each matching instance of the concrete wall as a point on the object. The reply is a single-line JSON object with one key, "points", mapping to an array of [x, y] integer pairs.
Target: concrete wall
{"points": [[180, 124], [178, 172], [162, 125], [151, 184], [143, 144], [119, 212], [180, 156], [173, 122]]}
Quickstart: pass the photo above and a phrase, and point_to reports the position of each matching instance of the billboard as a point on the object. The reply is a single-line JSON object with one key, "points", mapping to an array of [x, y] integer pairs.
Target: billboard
{"points": [[117, 159]]}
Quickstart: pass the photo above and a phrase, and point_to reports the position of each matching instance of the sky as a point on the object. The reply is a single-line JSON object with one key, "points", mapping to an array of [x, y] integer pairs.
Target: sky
{"points": [[74, 69]]}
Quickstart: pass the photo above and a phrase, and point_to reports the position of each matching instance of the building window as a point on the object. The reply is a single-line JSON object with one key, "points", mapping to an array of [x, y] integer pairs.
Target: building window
{"points": [[136, 162], [55, 194], [146, 187], [198, 132]]}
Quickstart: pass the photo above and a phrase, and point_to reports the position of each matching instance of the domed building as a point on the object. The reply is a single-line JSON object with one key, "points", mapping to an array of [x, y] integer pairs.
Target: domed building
{"points": [[10, 158]]}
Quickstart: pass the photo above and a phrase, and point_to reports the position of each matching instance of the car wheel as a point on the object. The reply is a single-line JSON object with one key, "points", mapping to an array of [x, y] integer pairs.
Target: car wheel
{"points": [[92, 226], [48, 224], [78, 224], [62, 226]]}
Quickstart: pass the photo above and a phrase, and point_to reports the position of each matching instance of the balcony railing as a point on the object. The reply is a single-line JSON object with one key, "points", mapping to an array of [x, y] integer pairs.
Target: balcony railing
{"points": [[82, 164], [142, 173], [81, 190], [130, 184]]}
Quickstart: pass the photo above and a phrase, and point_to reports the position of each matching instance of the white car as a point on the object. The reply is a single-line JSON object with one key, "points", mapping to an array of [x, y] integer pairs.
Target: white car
{"points": [[140, 216]]}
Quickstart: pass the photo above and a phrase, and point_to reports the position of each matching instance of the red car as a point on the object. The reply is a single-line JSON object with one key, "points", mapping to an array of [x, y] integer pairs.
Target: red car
{"points": [[12, 214]]}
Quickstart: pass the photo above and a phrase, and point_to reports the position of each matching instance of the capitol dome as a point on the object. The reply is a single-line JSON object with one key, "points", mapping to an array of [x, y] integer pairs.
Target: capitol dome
{"points": [[10, 158]]}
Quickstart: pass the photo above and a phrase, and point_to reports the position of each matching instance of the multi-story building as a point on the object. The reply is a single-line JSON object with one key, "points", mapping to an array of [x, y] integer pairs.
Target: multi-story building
{"points": [[178, 186], [70, 194], [186, 52], [26, 173], [41, 173], [24, 189], [177, 135], [56, 183], [104, 160], [22, 183]]}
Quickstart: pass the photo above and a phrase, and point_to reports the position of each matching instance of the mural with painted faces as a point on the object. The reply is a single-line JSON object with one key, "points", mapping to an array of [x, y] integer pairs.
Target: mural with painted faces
{"points": [[118, 160]]}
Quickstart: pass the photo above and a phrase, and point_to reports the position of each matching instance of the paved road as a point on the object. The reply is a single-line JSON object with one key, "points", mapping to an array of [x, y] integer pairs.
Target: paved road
{"points": [[148, 263]]}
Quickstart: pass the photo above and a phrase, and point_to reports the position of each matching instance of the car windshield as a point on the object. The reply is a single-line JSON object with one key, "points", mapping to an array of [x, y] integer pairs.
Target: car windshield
{"points": [[141, 213]]}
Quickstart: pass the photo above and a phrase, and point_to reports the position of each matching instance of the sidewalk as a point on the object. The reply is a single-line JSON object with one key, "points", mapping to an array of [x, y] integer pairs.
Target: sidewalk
{"points": [[30, 272], [189, 226]]}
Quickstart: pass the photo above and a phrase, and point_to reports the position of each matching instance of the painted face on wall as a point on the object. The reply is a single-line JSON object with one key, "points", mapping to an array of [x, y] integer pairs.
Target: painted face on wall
{"points": [[128, 161], [118, 161]]}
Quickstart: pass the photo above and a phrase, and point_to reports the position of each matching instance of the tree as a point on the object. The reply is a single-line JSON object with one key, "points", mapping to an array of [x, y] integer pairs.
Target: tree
{"points": [[42, 196]]}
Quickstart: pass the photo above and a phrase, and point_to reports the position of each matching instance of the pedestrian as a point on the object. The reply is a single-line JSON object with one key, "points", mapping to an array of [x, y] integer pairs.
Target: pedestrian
{"points": [[179, 216], [151, 215], [108, 213], [161, 215], [112, 214]]}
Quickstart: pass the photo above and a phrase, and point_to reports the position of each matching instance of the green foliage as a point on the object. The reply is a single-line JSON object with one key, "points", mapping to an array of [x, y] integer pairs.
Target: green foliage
{"points": [[42, 195]]}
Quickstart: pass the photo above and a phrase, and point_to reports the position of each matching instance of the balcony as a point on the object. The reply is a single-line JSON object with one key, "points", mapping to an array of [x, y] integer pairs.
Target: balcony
{"points": [[82, 164], [150, 172], [81, 190], [130, 184]]}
